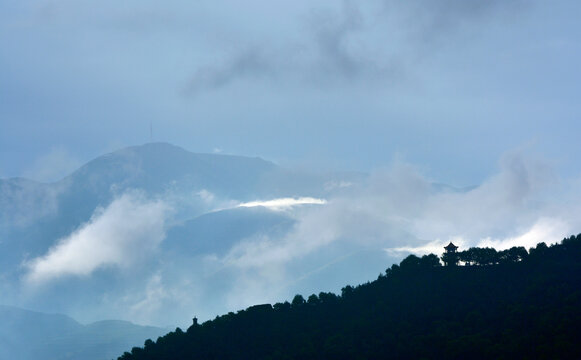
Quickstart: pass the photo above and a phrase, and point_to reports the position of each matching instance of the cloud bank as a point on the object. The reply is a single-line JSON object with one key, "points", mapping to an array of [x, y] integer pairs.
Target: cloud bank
{"points": [[349, 237], [398, 211], [114, 236]]}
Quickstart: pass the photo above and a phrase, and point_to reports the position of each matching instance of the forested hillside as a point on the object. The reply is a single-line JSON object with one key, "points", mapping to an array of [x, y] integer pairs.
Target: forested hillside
{"points": [[510, 304]]}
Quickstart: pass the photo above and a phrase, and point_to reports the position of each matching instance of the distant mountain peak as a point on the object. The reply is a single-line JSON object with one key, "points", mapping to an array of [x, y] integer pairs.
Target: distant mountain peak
{"points": [[157, 164]]}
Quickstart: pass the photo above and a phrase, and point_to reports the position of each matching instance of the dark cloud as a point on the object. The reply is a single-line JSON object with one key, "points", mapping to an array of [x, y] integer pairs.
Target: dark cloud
{"points": [[331, 33], [340, 52], [351, 43], [251, 62], [426, 20], [329, 53]]}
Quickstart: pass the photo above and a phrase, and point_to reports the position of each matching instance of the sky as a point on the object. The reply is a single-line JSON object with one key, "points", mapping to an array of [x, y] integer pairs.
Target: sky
{"points": [[479, 95], [450, 86]]}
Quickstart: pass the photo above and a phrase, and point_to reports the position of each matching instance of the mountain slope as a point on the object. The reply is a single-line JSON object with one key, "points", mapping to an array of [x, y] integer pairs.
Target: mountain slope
{"points": [[160, 169], [524, 309], [34, 215], [157, 166]]}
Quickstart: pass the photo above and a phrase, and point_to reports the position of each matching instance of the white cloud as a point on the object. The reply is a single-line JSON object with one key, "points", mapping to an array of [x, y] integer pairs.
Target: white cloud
{"points": [[284, 203], [264, 250], [115, 236], [432, 247], [398, 210], [549, 230]]}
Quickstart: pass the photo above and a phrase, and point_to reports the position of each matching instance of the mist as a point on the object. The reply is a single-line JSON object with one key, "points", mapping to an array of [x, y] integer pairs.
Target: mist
{"points": [[165, 161], [132, 253]]}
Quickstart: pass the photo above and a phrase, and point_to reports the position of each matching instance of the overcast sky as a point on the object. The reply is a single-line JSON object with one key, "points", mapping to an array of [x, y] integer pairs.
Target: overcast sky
{"points": [[448, 85], [462, 92]]}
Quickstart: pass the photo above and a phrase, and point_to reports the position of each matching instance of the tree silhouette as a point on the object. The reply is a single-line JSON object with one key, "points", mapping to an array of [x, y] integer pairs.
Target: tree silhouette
{"points": [[509, 305], [298, 300]]}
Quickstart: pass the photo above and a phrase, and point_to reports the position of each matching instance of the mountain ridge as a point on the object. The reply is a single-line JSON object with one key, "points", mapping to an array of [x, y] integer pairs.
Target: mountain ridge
{"points": [[525, 307], [36, 217], [139, 149]]}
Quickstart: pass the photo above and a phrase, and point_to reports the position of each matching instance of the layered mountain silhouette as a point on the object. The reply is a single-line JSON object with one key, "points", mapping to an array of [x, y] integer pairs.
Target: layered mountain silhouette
{"points": [[28, 335], [34, 215], [216, 224], [202, 193]]}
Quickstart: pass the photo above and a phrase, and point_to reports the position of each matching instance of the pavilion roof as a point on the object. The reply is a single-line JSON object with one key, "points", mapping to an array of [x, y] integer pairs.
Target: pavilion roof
{"points": [[451, 246]]}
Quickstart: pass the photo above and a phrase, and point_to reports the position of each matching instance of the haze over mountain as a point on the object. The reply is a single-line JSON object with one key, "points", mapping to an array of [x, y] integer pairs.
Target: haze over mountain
{"points": [[28, 335], [152, 233], [129, 216], [291, 147]]}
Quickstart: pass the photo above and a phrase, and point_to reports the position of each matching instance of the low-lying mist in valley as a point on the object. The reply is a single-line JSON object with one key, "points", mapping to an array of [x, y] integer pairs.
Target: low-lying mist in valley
{"points": [[164, 250]]}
